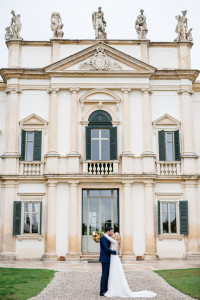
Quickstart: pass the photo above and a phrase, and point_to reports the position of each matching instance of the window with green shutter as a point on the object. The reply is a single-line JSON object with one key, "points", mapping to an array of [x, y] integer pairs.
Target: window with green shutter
{"points": [[31, 144], [169, 145], [101, 137], [183, 213]]}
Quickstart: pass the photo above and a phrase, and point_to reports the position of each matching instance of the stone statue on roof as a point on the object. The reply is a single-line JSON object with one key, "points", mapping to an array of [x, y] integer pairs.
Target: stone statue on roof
{"points": [[56, 25], [99, 24], [182, 28], [141, 26], [13, 31]]}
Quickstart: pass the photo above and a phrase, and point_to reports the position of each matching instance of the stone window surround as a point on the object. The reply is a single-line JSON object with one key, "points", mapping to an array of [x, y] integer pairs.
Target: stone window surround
{"points": [[170, 197], [29, 197]]}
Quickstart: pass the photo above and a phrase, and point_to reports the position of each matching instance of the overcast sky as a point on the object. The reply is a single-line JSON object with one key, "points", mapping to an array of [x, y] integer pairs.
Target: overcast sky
{"points": [[120, 16]]}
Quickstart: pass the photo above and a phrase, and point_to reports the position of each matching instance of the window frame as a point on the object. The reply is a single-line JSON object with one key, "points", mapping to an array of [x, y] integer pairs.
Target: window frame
{"points": [[26, 142], [31, 213], [168, 202], [100, 139]]}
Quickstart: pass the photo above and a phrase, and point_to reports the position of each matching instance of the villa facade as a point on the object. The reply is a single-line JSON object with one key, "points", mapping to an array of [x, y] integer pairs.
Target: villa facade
{"points": [[96, 133]]}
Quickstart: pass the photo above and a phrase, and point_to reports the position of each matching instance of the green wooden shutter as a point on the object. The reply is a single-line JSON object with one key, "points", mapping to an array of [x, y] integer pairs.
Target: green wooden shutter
{"points": [[37, 145], [177, 145], [162, 151], [158, 217], [88, 143], [23, 144], [17, 218], [183, 212], [113, 143], [41, 217]]}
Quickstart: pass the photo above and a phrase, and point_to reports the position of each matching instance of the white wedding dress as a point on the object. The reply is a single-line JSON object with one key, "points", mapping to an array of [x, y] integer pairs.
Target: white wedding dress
{"points": [[117, 283]]}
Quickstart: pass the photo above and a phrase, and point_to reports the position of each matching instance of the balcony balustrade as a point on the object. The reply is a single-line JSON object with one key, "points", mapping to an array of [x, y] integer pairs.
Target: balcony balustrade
{"points": [[31, 168], [168, 168], [100, 167]]}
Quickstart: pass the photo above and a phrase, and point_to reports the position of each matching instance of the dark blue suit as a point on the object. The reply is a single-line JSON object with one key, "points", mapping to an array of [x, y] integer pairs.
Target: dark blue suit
{"points": [[105, 261]]}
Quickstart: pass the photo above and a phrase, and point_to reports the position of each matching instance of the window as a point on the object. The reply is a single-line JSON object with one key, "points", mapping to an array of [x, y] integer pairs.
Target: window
{"points": [[100, 144], [31, 145], [101, 137], [27, 217], [169, 146], [172, 217]]}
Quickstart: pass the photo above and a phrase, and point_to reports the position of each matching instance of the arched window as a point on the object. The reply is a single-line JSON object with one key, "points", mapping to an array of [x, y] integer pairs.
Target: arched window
{"points": [[101, 137]]}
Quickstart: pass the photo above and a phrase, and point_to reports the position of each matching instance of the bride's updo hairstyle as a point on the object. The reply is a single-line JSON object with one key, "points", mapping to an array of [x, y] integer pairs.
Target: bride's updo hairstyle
{"points": [[118, 239]]}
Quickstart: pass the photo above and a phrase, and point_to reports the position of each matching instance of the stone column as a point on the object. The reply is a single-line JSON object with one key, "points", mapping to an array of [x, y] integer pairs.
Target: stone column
{"points": [[126, 120], [51, 219], [189, 158], [192, 197], [73, 246], [52, 154], [11, 156], [74, 156], [53, 120], [9, 241], [127, 222], [148, 155], [150, 235]]}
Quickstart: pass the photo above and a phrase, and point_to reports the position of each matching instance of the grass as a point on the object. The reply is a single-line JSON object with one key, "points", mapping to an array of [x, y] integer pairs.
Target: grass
{"points": [[23, 283], [187, 280]]}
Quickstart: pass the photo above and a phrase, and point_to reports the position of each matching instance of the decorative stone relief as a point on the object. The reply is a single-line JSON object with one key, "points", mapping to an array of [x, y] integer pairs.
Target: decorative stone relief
{"points": [[181, 29], [100, 62], [13, 31], [56, 25], [141, 26], [99, 24]]}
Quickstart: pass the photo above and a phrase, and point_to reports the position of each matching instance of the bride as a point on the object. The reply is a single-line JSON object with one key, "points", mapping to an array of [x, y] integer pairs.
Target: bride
{"points": [[117, 284]]}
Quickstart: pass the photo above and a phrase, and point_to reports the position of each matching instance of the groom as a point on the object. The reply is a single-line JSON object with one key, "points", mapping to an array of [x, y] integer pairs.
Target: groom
{"points": [[105, 259]]}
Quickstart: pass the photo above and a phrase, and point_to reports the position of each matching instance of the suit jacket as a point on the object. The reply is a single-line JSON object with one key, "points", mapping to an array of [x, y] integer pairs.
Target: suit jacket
{"points": [[105, 250]]}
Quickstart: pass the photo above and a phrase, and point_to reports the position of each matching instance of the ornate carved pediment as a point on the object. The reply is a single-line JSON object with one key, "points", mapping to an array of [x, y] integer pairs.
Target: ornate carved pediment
{"points": [[100, 61]]}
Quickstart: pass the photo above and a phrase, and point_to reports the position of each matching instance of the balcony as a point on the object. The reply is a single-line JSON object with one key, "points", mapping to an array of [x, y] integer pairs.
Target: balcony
{"points": [[100, 167], [31, 168], [168, 168]]}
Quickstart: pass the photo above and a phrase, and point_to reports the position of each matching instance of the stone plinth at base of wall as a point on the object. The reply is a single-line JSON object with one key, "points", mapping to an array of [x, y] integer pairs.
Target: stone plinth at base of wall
{"points": [[128, 258], [150, 256], [10, 256], [49, 257]]}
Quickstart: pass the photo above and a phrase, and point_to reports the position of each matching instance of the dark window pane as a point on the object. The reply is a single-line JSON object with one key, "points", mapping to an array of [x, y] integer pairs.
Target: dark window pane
{"points": [[84, 217], [106, 217], [165, 218], [94, 193], [29, 136], [173, 217], [105, 133], [29, 151], [93, 215], [35, 218], [106, 193], [116, 213], [170, 151], [95, 150], [26, 223], [169, 137], [95, 133], [105, 150]]}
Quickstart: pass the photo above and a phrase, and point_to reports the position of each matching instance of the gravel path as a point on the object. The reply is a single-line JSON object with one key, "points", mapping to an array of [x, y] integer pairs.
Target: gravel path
{"points": [[85, 285]]}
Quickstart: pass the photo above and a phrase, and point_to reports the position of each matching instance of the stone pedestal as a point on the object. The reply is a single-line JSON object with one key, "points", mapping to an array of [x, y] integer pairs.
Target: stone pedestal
{"points": [[150, 235], [184, 61], [73, 244], [127, 251], [51, 220]]}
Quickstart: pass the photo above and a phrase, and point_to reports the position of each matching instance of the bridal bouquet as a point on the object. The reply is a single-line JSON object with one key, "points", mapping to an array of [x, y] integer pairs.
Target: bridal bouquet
{"points": [[96, 235]]}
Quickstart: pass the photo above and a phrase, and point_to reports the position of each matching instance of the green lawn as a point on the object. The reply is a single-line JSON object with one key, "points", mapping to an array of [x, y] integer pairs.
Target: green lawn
{"points": [[23, 283], [187, 280]]}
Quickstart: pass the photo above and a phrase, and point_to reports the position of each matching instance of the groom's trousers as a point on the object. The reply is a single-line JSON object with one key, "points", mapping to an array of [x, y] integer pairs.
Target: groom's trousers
{"points": [[104, 277]]}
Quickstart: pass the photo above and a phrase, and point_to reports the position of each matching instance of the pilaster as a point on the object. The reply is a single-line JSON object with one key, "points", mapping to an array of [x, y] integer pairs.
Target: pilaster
{"points": [[148, 155], [189, 157], [127, 251], [150, 235], [52, 154], [74, 156], [11, 156]]}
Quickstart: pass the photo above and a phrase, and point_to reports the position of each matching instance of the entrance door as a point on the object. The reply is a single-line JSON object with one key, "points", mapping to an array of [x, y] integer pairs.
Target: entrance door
{"points": [[100, 208]]}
